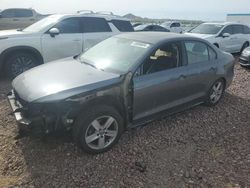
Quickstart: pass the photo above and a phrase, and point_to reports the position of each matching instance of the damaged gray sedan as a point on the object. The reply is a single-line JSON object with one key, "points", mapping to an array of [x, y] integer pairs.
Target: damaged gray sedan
{"points": [[120, 83]]}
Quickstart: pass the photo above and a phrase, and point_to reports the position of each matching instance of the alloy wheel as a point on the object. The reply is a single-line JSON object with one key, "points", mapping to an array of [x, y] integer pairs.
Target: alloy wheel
{"points": [[217, 91], [101, 132], [21, 64]]}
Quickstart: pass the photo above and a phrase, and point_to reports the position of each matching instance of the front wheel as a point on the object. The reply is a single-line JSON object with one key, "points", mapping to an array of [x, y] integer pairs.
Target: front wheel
{"points": [[98, 129], [19, 63], [215, 93]]}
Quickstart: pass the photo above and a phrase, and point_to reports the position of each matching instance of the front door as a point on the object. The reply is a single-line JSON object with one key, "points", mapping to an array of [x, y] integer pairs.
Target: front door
{"points": [[68, 42], [160, 85]]}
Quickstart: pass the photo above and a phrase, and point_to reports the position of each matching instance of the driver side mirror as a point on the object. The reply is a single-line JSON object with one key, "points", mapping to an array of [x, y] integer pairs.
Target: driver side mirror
{"points": [[224, 35], [53, 32]]}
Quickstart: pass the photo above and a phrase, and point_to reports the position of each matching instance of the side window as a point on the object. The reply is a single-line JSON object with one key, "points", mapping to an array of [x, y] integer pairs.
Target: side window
{"points": [[93, 25], [212, 54], [227, 29], [197, 52], [8, 13], [123, 26], [246, 30], [165, 57], [69, 25], [237, 29], [23, 13], [178, 24]]}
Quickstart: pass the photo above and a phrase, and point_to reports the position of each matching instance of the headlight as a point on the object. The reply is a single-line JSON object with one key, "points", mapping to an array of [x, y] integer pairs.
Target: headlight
{"points": [[246, 52]]}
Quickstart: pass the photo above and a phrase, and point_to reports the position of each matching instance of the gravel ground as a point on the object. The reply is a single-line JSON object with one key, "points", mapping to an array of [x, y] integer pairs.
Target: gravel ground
{"points": [[201, 147]]}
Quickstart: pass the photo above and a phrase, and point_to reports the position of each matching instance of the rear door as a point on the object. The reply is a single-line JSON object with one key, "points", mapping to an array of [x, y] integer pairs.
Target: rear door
{"points": [[200, 69], [95, 30], [69, 42]]}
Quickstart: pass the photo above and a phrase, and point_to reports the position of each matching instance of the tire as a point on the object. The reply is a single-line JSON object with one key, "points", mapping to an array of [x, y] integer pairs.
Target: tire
{"points": [[19, 63], [89, 130], [214, 96], [245, 45]]}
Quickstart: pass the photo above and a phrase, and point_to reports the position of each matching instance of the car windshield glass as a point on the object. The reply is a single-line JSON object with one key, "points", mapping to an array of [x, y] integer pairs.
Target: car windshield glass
{"points": [[115, 54], [44, 23], [207, 29]]}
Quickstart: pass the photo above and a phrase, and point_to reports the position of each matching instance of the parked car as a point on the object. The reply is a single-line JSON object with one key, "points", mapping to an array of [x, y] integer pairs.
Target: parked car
{"points": [[173, 26], [229, 37], [56, 37], [245, 58], [120, 83], [150, 27], [15, 18]]}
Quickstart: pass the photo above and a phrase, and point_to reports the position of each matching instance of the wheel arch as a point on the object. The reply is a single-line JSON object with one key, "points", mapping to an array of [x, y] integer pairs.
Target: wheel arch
{"points": [[6, 53]]}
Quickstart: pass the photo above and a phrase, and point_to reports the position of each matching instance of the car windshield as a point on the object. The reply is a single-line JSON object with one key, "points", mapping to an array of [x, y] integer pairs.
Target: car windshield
{"points": [[44, 23], [207, 29], [115, 54]]}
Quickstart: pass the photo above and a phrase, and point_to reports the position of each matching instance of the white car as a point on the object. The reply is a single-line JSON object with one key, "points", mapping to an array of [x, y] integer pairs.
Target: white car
{"points": [[173, 26], [229, 37], [56, 37]]}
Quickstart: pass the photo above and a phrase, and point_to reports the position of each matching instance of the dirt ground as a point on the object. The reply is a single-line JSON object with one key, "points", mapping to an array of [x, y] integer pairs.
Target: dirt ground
{"points": [[201, 147]]}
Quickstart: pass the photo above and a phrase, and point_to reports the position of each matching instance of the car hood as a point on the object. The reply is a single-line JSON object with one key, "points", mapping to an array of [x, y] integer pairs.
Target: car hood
{"points": [[12, 33], [60, 76], [203, 36]]}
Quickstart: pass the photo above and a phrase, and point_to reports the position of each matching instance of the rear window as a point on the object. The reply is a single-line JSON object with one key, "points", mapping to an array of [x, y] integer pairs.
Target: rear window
{"points": [[123, 26], [94, 25]]}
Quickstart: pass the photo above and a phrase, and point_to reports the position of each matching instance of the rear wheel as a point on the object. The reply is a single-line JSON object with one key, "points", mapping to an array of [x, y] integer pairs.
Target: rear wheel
{"points": [[19, 63], [215, 93], [98, 129]]}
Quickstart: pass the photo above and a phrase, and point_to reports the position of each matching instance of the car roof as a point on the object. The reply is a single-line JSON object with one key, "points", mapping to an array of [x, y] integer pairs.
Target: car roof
{"points": [[153, 37], [108, 17]]}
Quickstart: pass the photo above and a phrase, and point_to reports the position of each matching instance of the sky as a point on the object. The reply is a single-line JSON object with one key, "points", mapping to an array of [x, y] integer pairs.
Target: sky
{"points": [[207, 10]]}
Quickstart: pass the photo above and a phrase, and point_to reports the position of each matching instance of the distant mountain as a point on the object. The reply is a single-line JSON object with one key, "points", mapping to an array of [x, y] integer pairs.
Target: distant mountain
{"points": [[132, 17]]}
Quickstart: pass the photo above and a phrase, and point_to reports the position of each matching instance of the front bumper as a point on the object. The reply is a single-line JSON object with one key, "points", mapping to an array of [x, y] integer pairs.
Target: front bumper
{"points": [[17, 109], [244, 60]]}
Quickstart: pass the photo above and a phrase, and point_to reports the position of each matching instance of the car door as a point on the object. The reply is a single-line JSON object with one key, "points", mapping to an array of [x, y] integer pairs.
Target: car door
{"points": [[7, 19], [24, 17], [200, 69], [227, 43], [68, 42], [160, 83], [95, 30], [238, 37]]}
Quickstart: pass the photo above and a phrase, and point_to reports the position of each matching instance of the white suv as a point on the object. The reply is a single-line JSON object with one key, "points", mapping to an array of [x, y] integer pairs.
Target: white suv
{"points": [[228, 37], [55, 37]]}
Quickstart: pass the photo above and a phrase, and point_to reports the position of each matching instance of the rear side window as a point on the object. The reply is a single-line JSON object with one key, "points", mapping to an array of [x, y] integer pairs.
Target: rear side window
{"points": [[69, 25], [93, 25], [123, 26], [237, 29], [246, 30], [197, 52], [23, 13]]}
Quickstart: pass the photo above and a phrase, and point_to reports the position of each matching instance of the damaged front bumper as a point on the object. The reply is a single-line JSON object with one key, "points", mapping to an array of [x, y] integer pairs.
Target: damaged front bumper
{"points": [[17, 109]]}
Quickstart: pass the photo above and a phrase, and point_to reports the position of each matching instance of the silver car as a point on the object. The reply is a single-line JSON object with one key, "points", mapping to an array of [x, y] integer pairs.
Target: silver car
{"points": [[120, 83]]}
